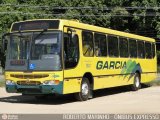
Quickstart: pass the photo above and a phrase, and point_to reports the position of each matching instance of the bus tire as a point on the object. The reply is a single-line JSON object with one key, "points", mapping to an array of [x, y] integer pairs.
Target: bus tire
{"points": [[136, 83], [84, 93]]}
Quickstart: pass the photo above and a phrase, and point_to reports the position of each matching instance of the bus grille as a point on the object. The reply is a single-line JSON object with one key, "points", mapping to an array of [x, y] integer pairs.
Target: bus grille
{"points": [[32, 76], [28, 82]]}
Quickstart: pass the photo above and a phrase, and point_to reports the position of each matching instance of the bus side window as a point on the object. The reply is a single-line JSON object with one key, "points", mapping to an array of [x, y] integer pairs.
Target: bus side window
{"points": [[87, 41], [113, 46], [71, 51], [100, 44], [141, 51], [133, 48], [153, 50], [123, 47], [148, 50]]}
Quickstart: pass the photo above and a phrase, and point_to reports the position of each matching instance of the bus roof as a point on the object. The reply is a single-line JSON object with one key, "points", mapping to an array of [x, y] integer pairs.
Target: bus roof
{"points": [[84, 26], [105, 30]]}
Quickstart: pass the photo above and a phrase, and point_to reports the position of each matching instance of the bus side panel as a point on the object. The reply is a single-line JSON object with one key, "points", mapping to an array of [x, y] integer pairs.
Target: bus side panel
{"points": [[111, 81], [149, 77], [149, 72]]}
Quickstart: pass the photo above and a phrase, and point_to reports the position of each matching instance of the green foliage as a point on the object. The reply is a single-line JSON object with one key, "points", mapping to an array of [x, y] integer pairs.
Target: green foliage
{"points": [[2, 83], [104, 13], [158, 28], [158, 57], [118, 21]]}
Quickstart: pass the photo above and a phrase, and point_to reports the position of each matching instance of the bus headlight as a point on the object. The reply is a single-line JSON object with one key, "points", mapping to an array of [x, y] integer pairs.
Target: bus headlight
{"points": [[51, 82], [10, 82]]}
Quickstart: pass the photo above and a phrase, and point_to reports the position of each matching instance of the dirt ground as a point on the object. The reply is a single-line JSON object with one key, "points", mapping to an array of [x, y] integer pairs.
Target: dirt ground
{"points": [[113, 100]]}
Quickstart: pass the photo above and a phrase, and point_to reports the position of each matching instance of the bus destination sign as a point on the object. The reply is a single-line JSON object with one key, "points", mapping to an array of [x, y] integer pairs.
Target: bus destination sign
{"points": [[35, 25]]}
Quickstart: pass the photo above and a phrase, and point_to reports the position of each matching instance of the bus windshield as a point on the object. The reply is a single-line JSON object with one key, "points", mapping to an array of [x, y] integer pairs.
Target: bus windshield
{"points": [[34, 51]]}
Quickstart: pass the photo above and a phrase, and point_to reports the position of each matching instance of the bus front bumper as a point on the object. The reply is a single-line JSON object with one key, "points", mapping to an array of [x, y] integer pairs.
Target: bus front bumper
{"points": [[35, 89]]}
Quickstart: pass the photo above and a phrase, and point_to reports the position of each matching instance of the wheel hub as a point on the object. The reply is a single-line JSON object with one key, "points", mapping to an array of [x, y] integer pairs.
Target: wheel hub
{"points": [[85, 89], [137, 82]]}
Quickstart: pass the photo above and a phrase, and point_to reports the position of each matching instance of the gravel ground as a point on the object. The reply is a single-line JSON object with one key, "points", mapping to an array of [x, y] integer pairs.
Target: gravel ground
{"points": [[113, 100]]}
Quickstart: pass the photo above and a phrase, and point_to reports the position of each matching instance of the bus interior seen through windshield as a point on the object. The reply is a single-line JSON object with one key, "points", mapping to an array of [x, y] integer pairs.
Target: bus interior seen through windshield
{"points": [[35, 50]]}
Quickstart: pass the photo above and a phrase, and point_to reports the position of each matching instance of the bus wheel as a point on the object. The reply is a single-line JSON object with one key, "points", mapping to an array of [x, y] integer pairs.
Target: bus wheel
{"points": [[84, 93], [137, 82]]}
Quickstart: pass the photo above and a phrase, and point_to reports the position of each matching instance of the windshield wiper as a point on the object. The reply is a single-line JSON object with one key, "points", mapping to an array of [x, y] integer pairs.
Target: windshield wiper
{"points": [[33, 38], [41, 33]]}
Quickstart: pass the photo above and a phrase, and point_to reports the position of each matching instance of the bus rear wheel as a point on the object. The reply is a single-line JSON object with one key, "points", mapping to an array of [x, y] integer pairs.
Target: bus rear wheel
{"points": [[84, 93], [136, 83]]}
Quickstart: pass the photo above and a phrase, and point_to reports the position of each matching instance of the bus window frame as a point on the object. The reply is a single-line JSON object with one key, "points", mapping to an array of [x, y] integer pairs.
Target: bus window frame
{"points": [[154, 50], [150, 50], [117, 45], [127, 47], [93, 54], [143, 49], [63, 54], [106, 40], [129, 39]]}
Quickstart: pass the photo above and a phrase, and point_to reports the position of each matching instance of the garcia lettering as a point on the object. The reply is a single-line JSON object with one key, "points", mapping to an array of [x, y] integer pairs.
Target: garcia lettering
{"points": [[110, 65]]}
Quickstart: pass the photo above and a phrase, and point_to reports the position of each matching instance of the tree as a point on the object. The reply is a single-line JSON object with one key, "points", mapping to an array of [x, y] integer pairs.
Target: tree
{"points": [[119, 18], [132, 16]]}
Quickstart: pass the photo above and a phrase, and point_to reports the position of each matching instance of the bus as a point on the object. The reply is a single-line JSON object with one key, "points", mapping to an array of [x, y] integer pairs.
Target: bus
{"points": [[58, 56]]}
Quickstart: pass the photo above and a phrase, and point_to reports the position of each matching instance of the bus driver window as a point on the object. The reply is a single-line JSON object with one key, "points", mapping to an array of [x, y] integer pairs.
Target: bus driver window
{"points": [[71, 51]]}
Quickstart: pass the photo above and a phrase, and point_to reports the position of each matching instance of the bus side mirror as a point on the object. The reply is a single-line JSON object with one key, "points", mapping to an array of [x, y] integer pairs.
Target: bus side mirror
{"points": [[71, 33], [4, 42], [3, 50]]}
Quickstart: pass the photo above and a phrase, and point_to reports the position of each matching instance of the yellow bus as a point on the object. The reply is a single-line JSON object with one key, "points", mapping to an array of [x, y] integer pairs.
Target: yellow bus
{"points": [[56, 56]]}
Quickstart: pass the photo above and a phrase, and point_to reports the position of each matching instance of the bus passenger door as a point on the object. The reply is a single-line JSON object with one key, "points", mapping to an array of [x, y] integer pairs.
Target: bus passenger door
{"points": [[71, 61]]}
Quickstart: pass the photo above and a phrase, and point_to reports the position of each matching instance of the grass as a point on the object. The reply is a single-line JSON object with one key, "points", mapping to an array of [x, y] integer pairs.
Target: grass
{"points": [[155, 83], [2, 83], [158, 69]]}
